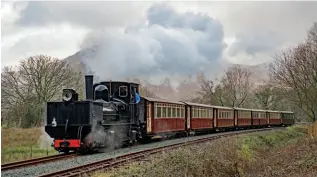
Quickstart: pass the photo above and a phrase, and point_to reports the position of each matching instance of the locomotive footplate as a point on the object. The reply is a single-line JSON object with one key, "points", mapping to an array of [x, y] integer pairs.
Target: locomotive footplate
{"points": [[67, 143], [64, 144]]}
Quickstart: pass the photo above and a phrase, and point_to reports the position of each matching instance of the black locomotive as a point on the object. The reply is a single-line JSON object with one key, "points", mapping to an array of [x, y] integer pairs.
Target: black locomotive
{"points": [[108, 117]]}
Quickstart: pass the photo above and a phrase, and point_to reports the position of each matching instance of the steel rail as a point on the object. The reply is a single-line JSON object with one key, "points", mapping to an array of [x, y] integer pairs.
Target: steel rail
{"points": [[25, 163], [113, 162]]}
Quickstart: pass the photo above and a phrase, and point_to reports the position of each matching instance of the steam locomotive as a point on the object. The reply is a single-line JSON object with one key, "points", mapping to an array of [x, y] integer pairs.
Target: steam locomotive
{"points": [[108, 116], [113, 115]]}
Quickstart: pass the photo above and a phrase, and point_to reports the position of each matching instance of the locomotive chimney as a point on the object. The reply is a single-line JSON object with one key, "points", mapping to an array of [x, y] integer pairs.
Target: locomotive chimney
{"points": [[89, 81]]}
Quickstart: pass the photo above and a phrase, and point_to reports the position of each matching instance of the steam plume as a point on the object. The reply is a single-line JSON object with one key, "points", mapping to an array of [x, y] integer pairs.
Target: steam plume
{"points": [[168, 43]]}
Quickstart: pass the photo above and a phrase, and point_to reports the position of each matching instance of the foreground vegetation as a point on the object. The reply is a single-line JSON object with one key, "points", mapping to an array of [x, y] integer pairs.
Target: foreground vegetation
{"points": [[280, 153], [21, 144]]}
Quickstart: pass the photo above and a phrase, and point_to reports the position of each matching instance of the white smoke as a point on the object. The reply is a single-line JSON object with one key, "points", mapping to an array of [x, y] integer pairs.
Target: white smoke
{"points": [[98, 134], [45, 141], [169, 43]]}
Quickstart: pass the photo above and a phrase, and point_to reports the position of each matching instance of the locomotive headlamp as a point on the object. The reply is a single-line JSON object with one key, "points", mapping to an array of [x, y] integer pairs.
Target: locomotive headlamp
{"points": [[70, 95]]}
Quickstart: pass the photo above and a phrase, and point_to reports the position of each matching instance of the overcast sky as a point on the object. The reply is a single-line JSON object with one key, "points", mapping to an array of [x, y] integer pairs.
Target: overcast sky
{"points": [[170, 38]]}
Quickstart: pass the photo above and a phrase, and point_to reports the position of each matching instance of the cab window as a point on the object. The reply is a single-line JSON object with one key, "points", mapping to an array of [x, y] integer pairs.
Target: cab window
{"points": [[123, 91]]}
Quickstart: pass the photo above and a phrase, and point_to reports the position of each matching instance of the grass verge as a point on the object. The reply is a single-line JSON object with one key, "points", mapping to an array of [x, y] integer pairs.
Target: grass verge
{"points": [[22, 144], [286, 152]]}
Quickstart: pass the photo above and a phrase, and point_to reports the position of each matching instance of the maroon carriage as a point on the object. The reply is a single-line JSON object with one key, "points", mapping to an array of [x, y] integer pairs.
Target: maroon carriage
{"points": [[243, 117], [223, 117], [165, 116], [274, 118], [200, 116], [259, 118]]}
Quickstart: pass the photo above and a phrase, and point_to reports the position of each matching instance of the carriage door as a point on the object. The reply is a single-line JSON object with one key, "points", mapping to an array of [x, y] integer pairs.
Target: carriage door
{"points": [[235, 117], [188, 117], [215, 115]]}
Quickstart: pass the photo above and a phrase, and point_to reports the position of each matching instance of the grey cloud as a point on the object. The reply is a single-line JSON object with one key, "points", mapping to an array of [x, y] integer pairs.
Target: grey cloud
{"points": [[171, 43], [256, 41], [88, 14], [288, 19]]}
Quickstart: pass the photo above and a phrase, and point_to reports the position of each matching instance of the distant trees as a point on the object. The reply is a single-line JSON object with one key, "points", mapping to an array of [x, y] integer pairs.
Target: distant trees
{"points": [[233, 89], [295, 70], [26, 88]]}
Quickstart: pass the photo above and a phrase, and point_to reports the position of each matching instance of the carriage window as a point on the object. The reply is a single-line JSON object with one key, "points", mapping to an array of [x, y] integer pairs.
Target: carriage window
{"points": [[158, 112], [182, 112], [196, 112], [169, 112], [123, 91], [174, 112], [164, 111]]}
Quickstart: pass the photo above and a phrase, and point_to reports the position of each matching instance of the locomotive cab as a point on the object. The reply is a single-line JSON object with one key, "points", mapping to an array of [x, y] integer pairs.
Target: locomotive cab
{"points": [[119, 100], [120, 110], [124, 91]]}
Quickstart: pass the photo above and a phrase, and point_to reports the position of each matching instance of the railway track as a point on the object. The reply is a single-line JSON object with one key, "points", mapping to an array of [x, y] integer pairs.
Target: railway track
{"points": [[114, 162], [25, 163]]}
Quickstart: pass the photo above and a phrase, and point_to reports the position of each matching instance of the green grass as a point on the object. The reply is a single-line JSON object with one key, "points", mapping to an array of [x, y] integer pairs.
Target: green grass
{"points": [[22, 144], [259, 154]]}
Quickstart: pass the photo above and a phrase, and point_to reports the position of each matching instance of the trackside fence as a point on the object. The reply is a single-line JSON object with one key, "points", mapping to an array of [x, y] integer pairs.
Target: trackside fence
{"points": [[312, 130]]}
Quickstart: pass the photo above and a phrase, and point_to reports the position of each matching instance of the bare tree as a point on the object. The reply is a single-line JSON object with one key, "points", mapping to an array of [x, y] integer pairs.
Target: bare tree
{"points": [[233, 90], [268, 96], [206, 94], [35, 81], [146, 92], [295, 70], [236, 86]]}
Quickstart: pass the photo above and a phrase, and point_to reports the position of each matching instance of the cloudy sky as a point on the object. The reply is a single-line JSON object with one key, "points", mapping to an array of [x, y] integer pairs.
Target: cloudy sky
{"points": [[124, 38]]}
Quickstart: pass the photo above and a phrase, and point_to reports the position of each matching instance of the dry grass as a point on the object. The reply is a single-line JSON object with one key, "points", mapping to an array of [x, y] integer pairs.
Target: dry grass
{"points": [[281, 153], [21, 144]]}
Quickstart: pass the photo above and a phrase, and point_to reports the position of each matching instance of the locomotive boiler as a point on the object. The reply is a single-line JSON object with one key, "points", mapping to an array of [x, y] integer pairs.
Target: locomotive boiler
{"points": [[108, 117]]}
